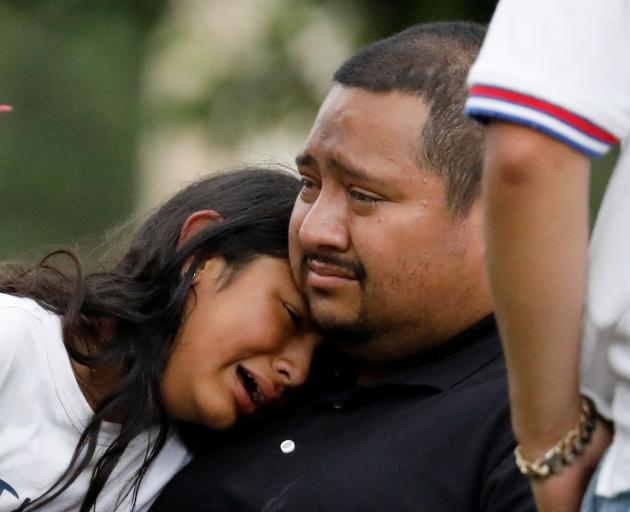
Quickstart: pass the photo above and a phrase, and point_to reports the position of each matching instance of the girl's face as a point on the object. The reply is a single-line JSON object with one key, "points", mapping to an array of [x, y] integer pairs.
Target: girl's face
{"points": [[242, 343]]}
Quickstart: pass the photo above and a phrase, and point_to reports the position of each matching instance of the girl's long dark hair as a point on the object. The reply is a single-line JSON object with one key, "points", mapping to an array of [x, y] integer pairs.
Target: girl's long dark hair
{"points": [[143, 297]]}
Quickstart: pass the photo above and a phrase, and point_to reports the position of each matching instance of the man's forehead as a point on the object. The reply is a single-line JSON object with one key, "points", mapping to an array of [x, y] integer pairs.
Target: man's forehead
{"points": [[364, 120], [345, 100]]}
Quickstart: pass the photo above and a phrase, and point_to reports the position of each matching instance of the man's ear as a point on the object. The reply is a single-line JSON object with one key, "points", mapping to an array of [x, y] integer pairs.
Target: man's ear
{"points": [[196, 223]]}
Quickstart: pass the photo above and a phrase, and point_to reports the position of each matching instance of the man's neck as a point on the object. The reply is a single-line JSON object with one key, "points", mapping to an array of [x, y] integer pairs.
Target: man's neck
{"points": [[378, 359]]}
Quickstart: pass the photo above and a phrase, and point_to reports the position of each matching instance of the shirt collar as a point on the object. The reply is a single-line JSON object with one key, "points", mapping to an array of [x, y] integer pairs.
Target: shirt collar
{"points": [[454, 361], [440, 369]]}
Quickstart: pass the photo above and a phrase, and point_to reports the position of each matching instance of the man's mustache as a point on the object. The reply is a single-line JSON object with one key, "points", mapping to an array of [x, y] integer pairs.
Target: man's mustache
{"points": [[355, 268]]}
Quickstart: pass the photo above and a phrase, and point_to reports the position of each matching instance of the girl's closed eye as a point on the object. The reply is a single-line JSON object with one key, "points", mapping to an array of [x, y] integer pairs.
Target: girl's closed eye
{"points": [[295, 317]]}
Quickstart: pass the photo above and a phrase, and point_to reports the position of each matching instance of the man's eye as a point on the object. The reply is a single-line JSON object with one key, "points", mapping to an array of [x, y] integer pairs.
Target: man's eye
{"points": [[364, 198], [309, 189], [308, 184]]}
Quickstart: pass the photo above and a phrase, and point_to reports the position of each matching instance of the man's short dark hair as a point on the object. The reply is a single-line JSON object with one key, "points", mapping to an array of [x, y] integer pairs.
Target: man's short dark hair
{"points": [[431, 60]]}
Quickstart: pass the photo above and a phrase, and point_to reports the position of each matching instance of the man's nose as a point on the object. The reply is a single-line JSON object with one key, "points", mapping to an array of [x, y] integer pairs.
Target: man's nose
{"points": [[325, 225]]}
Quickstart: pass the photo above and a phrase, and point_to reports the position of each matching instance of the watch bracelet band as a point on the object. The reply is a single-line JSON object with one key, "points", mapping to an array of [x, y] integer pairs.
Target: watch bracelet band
{"points": [[572, 444]]}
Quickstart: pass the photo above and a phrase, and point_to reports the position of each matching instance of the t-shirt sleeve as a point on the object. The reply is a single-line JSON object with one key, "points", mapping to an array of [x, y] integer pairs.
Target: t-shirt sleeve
{"points": [[559, 66], [13, 333]]}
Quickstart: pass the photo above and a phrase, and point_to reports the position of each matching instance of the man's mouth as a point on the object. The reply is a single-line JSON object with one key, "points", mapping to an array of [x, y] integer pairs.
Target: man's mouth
{"points": [[329, 270]]}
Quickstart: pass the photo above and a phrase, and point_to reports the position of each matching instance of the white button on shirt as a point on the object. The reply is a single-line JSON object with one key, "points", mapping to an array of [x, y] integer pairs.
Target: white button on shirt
{"points": [[287, 446]]}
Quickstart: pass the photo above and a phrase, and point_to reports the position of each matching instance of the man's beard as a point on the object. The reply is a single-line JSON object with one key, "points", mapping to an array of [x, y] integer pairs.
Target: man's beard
{"points": [[347, 334], [358, 336], [364, 342]]}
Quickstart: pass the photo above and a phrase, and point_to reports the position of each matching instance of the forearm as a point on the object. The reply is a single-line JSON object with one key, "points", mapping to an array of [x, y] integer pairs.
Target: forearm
{"points": [[536, 197]]}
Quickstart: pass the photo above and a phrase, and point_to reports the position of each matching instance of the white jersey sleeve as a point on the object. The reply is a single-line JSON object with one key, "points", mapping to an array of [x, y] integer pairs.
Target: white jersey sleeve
{"points": [[558, 66]]}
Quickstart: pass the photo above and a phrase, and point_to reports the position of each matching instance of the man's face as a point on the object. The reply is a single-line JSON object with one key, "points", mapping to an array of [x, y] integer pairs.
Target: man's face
{"points": [[383, 264]]}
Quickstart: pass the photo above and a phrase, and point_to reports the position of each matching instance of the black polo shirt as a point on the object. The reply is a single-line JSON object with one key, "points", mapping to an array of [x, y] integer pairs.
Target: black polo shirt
{"points": [[435, 437]]}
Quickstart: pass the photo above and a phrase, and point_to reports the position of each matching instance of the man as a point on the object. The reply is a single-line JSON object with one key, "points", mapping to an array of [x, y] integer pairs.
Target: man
{"points": [[385, 241], [554, 78]]}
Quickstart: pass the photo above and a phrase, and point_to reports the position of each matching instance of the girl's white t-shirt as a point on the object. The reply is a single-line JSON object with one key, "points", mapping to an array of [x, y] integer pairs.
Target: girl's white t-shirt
{"points": [[43, 412]]}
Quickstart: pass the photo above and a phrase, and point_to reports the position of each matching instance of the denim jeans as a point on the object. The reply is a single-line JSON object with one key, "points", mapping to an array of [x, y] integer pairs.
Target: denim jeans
{"points": [[593, 503]]}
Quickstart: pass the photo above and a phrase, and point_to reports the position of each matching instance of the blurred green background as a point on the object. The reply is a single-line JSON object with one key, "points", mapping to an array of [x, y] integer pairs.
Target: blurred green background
{"points": [[118, 103]]}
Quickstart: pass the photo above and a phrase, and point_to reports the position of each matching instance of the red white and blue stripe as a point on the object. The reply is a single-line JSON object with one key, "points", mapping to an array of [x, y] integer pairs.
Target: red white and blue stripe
{"points": [[487, 102]]}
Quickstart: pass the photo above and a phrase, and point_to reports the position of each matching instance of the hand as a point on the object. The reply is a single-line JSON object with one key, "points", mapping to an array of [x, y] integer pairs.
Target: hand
{"points": [[563, 492]]}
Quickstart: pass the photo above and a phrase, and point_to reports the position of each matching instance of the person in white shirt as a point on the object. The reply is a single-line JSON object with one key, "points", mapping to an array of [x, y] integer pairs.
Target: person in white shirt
{"points": [[553, 82], [199, 321]]}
